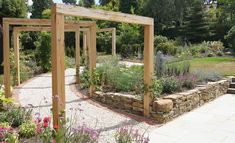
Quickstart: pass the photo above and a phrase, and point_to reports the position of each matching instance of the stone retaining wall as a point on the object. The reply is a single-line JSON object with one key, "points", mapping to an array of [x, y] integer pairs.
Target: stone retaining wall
{"points": [[168, 107]]}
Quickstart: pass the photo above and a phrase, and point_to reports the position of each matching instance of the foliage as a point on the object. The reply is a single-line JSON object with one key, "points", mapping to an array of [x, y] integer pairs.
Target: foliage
{"points": [[39, 6], [131, 6], [177, 68], [164, 45], [157, 88], [4, 102], [87, 3], [170, 84], [43, 51], [27, 129], [15, 116], [188, 81], [196, 26], [230, 37], [110, 75], [72, 2], [11, 138], [4, 125], [13, 8], [129, 135], [129, 35], [207, 76]]}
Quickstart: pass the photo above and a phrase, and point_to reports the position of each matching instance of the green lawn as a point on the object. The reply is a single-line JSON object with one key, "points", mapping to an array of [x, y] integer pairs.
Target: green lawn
{"points": [[223, 65]]}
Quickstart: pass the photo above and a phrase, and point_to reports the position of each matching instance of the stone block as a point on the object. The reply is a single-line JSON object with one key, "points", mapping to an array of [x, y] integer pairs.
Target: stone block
{"points": [[163, 105]]}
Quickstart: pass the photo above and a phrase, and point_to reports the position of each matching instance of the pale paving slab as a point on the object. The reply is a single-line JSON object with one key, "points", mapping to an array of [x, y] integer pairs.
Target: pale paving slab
{"points": [[211, 123], [38, 93]]}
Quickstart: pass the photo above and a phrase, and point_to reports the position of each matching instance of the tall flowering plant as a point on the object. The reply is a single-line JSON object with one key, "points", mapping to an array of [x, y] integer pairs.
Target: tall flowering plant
{"points": [[129, 135]]}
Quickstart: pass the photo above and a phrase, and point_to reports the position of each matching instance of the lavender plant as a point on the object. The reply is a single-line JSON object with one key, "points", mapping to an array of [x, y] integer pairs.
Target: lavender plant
{"points": [[129, 135]]}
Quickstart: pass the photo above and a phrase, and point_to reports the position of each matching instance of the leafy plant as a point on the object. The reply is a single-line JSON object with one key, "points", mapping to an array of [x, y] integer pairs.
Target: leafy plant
{"points": [[207, 76], [157, 88], [170, 84], [43, 51], [17, 116], [230, 37], [176, 68], [164, 45], [188, 81], [27, 129], [11, 138]]}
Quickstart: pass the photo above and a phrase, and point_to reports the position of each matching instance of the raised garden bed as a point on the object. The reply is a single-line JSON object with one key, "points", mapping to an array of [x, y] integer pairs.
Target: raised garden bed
{"points": [[168, 107]]}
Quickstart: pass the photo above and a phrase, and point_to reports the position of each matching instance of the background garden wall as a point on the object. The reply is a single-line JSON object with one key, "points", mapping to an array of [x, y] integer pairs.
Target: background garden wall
{"points": [[171, 106]]}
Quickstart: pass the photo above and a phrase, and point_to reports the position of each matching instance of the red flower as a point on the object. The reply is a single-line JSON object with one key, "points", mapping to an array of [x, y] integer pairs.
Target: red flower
{"points": [[46, 119], [56, 126], [45, 124]]}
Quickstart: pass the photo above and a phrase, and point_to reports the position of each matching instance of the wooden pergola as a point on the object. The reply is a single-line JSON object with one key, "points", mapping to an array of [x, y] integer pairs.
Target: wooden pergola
{"points": [[34, 25], [75, 28], [59, 11]]}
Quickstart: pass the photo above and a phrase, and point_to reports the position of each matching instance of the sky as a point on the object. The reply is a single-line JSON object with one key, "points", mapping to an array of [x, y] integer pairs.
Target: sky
{"points": [[56, 1]]}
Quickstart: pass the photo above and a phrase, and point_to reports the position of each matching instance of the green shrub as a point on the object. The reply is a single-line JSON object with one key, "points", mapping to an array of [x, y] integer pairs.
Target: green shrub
{"points": [[216, 46], [43, 51], [188, 81], [16, 116], [230, 38], [157, 88], [161, 43], [199, 50], [177, 68], [124, 79], [207, 76], [27, 129], [170, 84], [5, 125]]}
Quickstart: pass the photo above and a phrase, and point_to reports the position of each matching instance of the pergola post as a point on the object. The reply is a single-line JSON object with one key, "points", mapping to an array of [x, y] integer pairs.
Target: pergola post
{"points": [[92, 57], [58, 66], [77, 57], [85, 45], [16, 45], [6, 58], [114, 42], [148, 66]]}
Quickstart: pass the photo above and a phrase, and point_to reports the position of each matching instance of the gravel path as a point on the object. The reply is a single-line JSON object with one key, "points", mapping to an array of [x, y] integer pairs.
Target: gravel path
{"points": [[38, 93]]}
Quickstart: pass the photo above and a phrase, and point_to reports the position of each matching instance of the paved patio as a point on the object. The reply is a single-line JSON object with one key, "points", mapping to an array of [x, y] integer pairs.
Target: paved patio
{"points": [[211, 123]]}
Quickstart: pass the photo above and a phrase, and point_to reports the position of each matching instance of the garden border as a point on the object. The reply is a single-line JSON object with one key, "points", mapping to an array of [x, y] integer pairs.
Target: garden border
{"points": [[168, 107]]}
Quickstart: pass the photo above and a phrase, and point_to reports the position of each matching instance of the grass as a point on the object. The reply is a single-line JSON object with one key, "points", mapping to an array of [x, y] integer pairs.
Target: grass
{"points": [[223, 65]]}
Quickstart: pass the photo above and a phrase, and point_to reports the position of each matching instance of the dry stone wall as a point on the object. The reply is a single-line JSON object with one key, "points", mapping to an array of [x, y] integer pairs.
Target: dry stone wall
{"points": [[168, 107]]}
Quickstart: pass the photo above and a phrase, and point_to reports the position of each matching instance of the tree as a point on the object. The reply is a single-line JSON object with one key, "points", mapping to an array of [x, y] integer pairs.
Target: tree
{"points": [[104, 2], [72, 2], [230, 37], [13, 8], [10, 8], [196, 26], [87, 3], [131, 6], [39, 6]]}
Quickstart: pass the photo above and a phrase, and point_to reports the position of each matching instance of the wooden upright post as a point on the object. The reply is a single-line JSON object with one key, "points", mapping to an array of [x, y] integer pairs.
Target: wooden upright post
{"points": [[85, 45], [92, 57], [58, 65], [17, 55], [6, 55], [114, 42], [77, 33], [148, 65]]}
